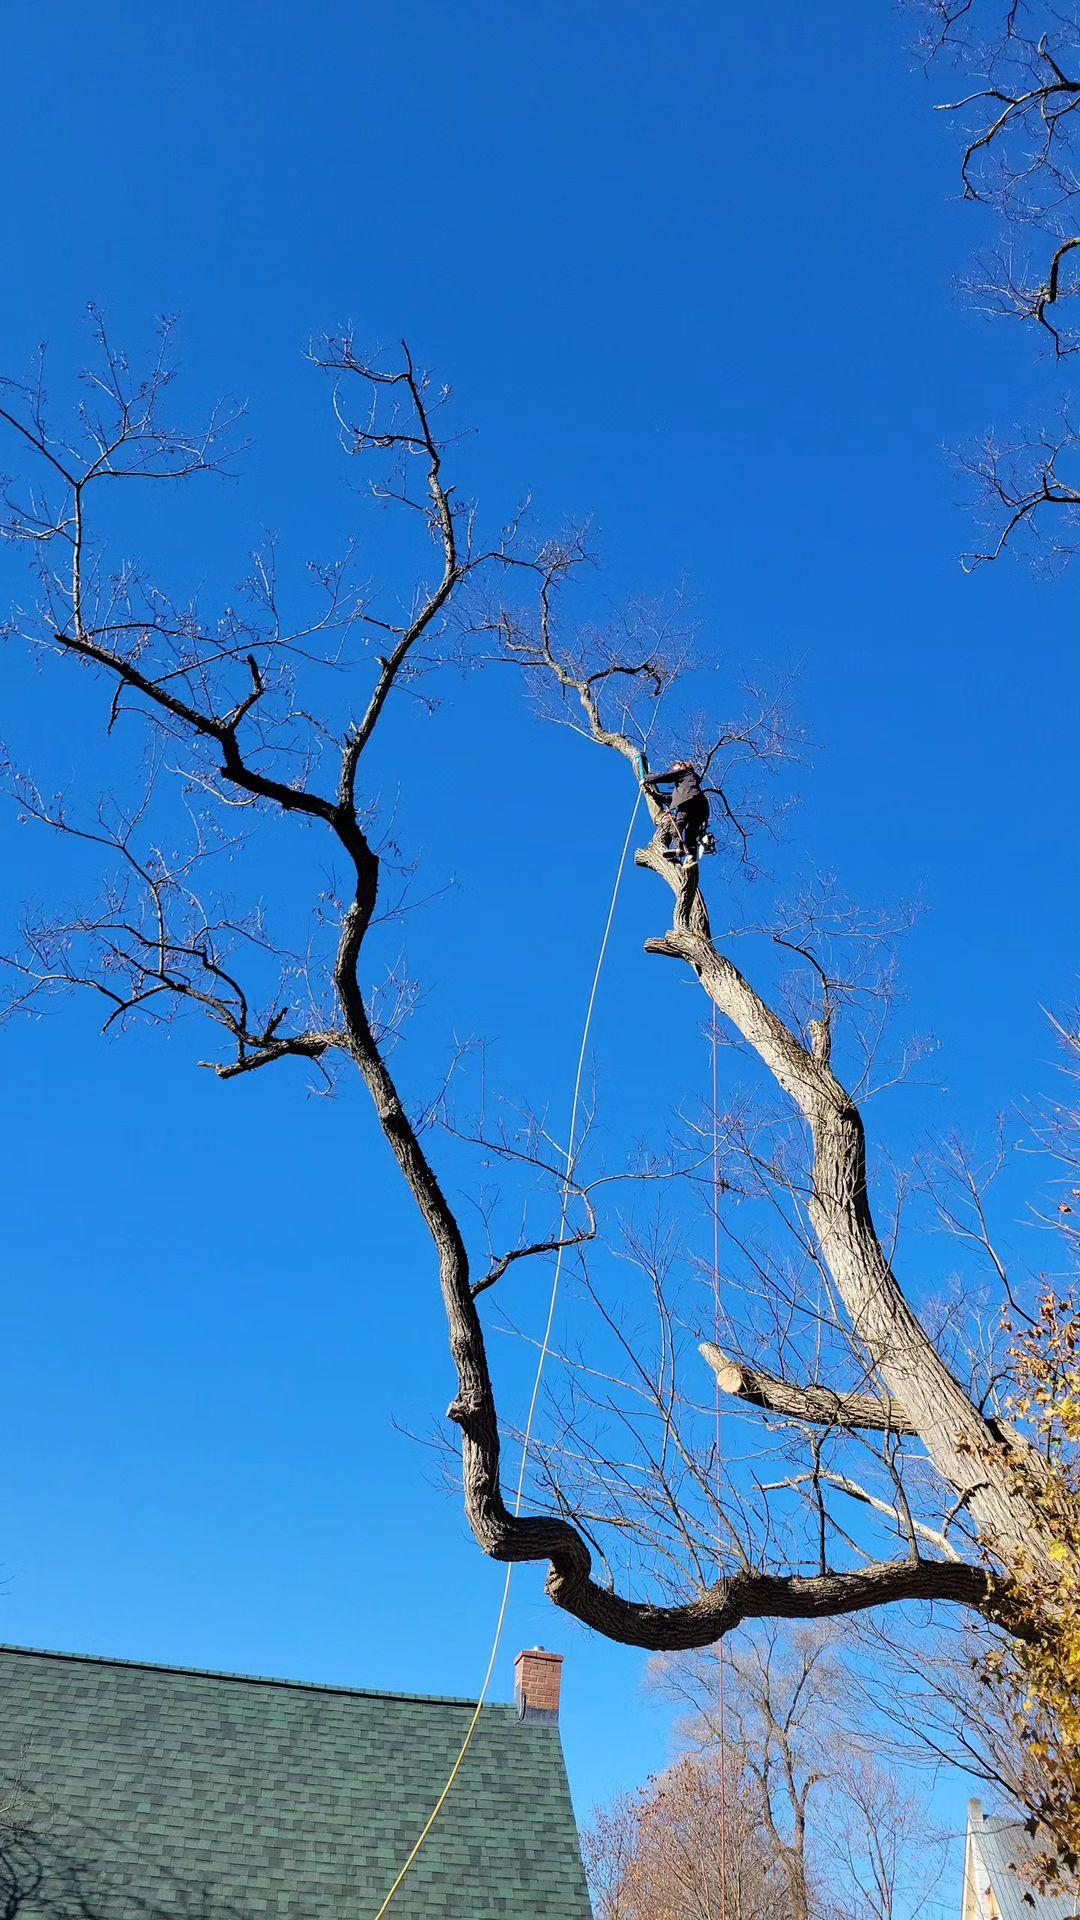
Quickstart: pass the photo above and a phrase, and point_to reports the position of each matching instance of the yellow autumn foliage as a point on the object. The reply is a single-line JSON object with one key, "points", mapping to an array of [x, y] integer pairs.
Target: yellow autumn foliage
{"points": [[1040, 1673]]}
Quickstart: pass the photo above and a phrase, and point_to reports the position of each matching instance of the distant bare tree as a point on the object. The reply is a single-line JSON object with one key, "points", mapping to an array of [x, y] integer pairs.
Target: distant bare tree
{"points": [[675, 1851], [848, 1835], [774, 1706], [1018, 90], [886, 1858]]}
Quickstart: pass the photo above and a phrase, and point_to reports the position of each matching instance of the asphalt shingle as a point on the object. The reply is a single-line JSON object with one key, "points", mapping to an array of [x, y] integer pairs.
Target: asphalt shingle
{"points": [[135, 1791]]}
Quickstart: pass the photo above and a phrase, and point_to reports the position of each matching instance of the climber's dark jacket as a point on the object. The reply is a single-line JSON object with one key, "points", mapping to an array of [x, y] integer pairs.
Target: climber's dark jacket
{"points": [[684, 780]]}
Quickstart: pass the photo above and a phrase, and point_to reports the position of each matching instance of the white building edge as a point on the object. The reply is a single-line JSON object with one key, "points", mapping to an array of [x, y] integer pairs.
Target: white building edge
{"points": [[996, 1886]]}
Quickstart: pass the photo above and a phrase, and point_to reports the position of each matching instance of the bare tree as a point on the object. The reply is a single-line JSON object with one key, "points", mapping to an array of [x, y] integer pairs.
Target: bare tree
{"points": [[900, 1385], [844, 1834], [659, 1854], [1018, 88], [887, 1859], [771, 1700], [899, 1478]]}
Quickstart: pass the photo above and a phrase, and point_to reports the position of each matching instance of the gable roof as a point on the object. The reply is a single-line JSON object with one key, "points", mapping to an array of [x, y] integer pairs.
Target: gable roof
{"points": [[160, 1791], [995, 1884]]}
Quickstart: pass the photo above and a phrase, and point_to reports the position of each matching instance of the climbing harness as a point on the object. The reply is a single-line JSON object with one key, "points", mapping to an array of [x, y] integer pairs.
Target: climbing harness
{"points": [[545, 1346], [692, 853]]}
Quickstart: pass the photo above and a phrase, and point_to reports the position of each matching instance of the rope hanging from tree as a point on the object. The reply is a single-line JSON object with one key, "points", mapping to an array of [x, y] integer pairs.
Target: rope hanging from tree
{"points": [[545, 1345]]}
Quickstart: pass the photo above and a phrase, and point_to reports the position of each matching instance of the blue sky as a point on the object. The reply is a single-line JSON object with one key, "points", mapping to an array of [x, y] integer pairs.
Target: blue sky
{"points": [[691, 276]]}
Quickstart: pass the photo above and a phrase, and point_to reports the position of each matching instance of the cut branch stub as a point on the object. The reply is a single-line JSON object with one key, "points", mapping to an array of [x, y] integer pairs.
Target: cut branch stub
{"points": [[815, 1403]]}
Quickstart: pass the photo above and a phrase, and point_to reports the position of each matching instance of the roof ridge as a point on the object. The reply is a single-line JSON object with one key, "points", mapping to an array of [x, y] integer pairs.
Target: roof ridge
{"points": [[247, 1679]]}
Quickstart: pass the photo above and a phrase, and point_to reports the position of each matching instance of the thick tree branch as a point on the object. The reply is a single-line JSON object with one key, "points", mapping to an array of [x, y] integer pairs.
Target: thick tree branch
{"points": [[758, 1596], [820, 1405]]}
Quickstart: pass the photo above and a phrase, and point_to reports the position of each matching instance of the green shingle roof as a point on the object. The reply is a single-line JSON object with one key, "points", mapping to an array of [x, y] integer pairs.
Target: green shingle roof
{"points": [[133, 1792]]}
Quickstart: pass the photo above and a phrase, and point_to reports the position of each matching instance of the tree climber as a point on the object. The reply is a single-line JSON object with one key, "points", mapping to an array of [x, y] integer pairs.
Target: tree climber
{"points": [[686, 807]]}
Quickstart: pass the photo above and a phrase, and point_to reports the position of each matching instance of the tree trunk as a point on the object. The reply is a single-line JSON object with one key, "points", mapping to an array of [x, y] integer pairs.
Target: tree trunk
{"points": [[979, 1463]]}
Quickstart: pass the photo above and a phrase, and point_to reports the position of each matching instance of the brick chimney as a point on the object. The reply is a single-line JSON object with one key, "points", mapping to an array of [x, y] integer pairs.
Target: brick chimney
{"points": [[537, 1681]]}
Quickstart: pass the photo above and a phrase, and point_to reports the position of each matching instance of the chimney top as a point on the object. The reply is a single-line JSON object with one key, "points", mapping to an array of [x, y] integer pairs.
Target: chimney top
{"points": [[537, 1684]]}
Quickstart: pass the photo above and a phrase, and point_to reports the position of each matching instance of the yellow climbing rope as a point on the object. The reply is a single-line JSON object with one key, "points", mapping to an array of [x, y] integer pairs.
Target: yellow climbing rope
{"points": [[545, 1345]]}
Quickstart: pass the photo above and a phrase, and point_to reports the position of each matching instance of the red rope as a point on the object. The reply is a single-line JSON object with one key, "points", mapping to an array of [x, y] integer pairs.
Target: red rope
{"points": [[719, 1471]]}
